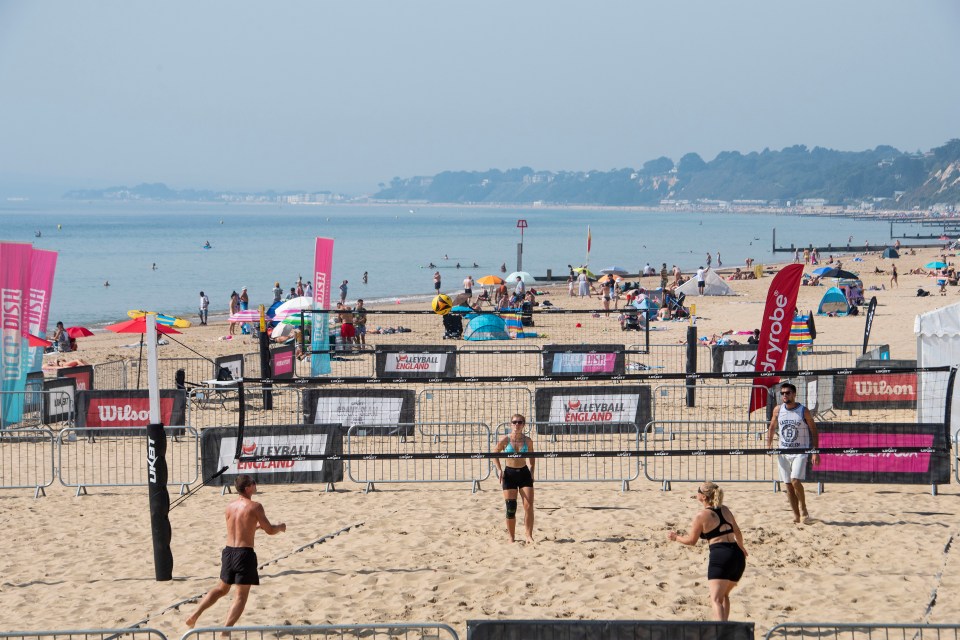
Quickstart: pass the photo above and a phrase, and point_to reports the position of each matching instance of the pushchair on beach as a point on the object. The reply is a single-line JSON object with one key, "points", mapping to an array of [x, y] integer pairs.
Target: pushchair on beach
{"points": [[452, 326]]}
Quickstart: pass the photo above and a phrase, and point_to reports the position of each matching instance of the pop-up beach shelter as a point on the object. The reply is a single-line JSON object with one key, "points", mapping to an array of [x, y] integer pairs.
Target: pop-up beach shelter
{"points": [[890, 252], [833, 301], [487, 326], [713, 285], [938, 344]]}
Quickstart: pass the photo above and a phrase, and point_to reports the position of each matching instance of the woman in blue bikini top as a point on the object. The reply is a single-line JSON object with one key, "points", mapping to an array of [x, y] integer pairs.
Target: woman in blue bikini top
{"points": [[517, 478]]}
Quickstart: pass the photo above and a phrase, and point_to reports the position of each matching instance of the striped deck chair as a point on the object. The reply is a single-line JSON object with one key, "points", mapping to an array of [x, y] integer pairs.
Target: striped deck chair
{"points": [[800, 334], [512, 320]]}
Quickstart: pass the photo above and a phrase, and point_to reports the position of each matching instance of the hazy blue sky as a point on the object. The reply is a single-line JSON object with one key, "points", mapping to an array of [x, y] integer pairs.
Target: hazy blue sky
{"points": [[311, 95]]}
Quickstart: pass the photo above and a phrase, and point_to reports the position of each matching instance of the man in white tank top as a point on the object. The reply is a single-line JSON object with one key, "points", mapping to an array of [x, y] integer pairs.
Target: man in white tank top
{"points": [[796, 430]]}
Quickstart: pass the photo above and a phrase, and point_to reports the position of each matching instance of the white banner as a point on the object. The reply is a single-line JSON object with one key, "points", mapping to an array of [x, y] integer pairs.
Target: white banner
{"points": [[353, 410], [292, 445], [594, 408]]}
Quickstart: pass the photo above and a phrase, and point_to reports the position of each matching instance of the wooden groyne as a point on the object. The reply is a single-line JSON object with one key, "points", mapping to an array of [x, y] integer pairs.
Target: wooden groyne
{"points": [[849, 248]]}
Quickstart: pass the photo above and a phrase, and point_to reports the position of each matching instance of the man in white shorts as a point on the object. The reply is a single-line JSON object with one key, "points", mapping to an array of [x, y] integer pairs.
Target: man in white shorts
{"points": [[796, 430]]}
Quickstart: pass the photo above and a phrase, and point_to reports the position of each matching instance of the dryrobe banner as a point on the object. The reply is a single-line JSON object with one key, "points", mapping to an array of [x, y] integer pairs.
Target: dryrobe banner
{"points": [[319, 338], [59, 400], [281, 362], [615, 408], [82, 374], [14, 294], [353, 407], [583, 359], [876, 391], [43, 264], [930, 467], [775, 330], [219, 444], [743, 357], [233, 364], [416, 361], [118, 409]]}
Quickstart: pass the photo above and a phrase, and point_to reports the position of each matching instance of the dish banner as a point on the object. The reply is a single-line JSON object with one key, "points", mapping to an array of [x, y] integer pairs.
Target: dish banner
{"points": [[917, 467], [583, 359], [775, 330], [591, 410], [319, 338], [281, 362], [43, 264], [14, 293], [218, 445], [871, 310]]}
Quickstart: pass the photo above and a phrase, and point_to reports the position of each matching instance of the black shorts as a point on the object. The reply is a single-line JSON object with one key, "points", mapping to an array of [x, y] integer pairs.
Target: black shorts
{"points": [[516, 477], [238, 565], [727, 562]]}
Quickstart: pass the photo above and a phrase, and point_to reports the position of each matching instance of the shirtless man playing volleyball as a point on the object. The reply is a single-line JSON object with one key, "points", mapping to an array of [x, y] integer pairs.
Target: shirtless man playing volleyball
{"points": [[238, 560]]}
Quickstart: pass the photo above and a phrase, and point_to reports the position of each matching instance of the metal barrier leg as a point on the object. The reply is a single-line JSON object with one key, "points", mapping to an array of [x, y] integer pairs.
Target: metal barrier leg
{"points": [[933, 490], [79, 489], [369, 488], [184, 489], [776, 486], [665, 486], [329, 488], [819, 488], [476, 486], [625, 486], [39, 492]]}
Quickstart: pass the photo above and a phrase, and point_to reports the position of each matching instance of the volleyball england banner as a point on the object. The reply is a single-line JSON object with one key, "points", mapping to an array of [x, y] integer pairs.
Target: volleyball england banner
{"points": [[775, 330], [319, 339]]}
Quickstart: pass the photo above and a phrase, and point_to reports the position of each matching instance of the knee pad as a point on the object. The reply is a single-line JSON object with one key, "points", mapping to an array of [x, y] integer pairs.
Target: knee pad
{"points": [[511, 509]]}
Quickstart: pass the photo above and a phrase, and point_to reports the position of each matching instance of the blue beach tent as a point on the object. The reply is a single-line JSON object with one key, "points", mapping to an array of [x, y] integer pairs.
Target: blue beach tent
{"points": [[833, 302], [488, 326]]}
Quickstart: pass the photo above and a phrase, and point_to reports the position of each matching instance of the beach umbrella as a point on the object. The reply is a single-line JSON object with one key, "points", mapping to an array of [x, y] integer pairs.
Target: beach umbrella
{"points": [[282, 330], [139, 325], [616, 271], [36, 341], [294, 304], [523, 275], [248, 315], [589, 273], [490, 281], [78, 332], [936, 264], [827, 272]]}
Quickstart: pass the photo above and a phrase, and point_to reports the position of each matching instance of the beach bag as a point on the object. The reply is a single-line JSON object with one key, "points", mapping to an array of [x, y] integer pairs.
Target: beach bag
{"points": [[922, 294]]}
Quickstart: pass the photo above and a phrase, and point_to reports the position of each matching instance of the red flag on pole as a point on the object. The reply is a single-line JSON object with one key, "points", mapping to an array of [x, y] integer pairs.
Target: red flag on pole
{"points": [[775, 330]]}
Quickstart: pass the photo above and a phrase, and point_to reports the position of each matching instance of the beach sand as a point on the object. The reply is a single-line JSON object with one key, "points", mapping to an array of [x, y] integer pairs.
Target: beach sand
{"points": [[438, 553]]}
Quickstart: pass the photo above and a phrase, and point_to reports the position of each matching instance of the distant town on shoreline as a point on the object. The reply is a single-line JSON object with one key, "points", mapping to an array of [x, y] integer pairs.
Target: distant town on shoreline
{"points": [[793, 179]]}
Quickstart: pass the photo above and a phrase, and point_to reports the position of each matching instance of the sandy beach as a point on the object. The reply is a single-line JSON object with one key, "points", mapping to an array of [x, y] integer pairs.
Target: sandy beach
{"points": [[438, 553]]}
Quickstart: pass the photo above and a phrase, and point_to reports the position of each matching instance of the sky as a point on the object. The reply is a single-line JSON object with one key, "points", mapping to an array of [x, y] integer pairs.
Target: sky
{"points": [[343, 95]]}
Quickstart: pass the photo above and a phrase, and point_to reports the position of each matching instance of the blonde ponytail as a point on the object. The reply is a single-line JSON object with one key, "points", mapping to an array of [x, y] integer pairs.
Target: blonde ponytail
{"points": [[713, 494]]}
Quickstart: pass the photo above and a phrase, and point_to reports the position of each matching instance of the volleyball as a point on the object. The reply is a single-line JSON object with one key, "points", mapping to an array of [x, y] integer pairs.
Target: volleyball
{"points": [[442, 304]]}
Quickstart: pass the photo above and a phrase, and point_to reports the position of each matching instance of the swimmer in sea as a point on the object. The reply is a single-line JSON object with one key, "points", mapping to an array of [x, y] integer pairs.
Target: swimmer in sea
{"points": [[106, 283]]}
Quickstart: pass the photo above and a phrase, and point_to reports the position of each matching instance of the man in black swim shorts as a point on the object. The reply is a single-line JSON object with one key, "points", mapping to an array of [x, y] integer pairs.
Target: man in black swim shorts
{"points": [[238, 560]]}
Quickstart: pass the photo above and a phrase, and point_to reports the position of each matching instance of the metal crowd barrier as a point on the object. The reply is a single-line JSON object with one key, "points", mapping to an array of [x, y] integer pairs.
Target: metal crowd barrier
{"points": [[196, 370], [432, 438], [486, 404], [479, 359], [956, 456], [345, 361], [565, 437], [111, 375], [86, 634], [219, 406], [27, 460], [384, 631], [830, 356], [35, 403], [99, 458], [865, 631]]}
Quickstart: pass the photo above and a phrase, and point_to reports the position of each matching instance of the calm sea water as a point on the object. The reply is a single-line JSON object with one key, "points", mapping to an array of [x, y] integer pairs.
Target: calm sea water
{"points": [[255, 245]]}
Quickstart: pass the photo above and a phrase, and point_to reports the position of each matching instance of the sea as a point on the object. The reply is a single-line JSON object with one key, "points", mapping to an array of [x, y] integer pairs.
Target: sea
{"points": [[254, 245]]}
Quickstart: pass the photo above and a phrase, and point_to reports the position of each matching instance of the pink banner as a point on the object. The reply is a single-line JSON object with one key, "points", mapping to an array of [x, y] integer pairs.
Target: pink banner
{"points": [[322, 268], [43, 264], [14, 285], [913, 462]]}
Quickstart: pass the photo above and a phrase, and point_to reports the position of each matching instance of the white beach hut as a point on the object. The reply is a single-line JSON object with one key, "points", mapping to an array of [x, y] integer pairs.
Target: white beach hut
{"points": [[938, 344]]}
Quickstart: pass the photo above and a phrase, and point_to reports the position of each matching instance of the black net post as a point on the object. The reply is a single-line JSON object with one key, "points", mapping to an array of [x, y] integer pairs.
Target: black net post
{"points": [[265, 370], [691, 366], [159, 502]]}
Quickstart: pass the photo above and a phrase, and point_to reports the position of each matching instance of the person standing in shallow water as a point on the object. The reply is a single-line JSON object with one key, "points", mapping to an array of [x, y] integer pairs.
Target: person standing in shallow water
{"points": [[517, 476], [728, 557]]}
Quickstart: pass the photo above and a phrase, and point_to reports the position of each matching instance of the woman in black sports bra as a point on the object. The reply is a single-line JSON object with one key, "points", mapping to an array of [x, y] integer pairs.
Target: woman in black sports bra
{"points": [[728, 557], [517, 475]]}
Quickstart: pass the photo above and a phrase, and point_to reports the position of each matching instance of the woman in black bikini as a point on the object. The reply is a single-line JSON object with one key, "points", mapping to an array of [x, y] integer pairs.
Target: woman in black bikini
{"points": [[517, 476], [728, 557]]}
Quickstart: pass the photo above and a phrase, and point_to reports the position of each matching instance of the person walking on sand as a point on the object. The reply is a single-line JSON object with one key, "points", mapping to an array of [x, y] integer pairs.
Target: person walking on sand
{"points": [[234, 307], [360, 322], [204, 308], [238, 559], [701, 281], [794, 424], [893, 277], [728, 557], [664, 274], [517, 476]]}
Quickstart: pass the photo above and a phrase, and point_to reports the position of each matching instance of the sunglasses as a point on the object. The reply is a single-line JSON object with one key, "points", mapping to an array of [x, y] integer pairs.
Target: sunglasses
{"points": [[786, 393], [518, 421]]}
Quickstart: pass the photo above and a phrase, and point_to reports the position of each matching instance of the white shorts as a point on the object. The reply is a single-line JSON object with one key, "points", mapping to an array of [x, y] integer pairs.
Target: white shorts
{"points": [[792, 466]]}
